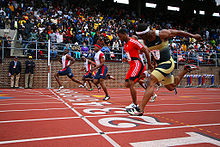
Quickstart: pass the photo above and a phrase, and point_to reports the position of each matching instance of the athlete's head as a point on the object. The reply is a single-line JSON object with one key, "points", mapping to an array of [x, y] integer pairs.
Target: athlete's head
{"points": [[143, 30], [97, 47], [83, 58], [66, 50], [123, 35]]}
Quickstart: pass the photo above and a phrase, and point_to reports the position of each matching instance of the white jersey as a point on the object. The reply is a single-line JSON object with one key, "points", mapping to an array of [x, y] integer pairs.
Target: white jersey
{"points": [[98, 57], [65, 61], [87, 65]]}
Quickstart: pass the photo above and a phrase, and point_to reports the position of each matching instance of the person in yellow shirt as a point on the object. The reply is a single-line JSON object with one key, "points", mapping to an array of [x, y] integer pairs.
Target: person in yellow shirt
{"points": [[184, 47]]}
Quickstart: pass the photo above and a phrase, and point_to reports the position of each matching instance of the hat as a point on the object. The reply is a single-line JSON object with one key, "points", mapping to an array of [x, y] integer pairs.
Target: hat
{"points": [[16, 57], [30, 57]]}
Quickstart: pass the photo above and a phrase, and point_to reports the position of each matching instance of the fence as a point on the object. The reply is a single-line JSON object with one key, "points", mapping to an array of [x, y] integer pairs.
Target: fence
{"points": [[39, 50]]}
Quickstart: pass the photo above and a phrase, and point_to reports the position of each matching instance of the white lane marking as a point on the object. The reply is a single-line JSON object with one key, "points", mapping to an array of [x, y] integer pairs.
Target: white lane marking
{"points": [[47, 138], [88, 122], [31, 103], [163, 128], [183, 104], [190, 139], [184, 111], [24, 110], [37, 99], [40, 119], [14, 121], [114, 132]]}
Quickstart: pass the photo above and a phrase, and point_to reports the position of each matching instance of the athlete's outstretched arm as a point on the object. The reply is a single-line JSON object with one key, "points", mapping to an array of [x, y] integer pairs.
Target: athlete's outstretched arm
{"points": [[71, 60], [146, 52], [165, 34]]}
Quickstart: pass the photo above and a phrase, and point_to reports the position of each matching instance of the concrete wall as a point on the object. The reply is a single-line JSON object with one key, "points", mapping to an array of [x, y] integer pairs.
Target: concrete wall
{"points": [[116, 69]]}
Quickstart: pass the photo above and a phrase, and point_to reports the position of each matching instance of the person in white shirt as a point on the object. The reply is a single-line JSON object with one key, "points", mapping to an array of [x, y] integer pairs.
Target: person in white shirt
{"points": [[102, 70]]}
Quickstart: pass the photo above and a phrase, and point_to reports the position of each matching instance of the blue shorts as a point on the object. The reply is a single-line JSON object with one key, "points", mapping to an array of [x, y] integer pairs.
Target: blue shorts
{"points": [[101, 72], [66, 71]]}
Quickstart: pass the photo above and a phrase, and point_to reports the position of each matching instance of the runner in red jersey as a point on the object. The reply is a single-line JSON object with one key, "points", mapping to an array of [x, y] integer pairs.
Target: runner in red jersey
{"points": [[132, 48]]}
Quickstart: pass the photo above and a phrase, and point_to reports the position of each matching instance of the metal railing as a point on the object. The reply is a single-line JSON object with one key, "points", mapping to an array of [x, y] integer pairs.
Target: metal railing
{"points": [[39, 50]]}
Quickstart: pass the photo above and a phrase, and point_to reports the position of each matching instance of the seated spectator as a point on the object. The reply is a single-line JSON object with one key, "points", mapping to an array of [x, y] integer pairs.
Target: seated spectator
{"points": [[52, 37], [106, 51], [84, 50], [59, 37], [76, 49], [53, 51]]}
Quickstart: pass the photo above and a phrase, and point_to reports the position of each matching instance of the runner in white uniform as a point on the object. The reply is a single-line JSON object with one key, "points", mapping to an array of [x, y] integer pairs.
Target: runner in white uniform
{"points": [[66, 62], [102, 70], [89, 76]]}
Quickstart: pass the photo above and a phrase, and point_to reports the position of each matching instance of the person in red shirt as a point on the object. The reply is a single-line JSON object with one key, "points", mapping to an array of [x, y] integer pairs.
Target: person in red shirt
{"points": [[132, 48]]}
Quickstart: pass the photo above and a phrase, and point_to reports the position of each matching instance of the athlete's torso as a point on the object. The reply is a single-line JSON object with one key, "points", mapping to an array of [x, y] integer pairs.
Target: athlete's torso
{"points": [[65, 61], [132, 48], [159, 48], [98, 57]]}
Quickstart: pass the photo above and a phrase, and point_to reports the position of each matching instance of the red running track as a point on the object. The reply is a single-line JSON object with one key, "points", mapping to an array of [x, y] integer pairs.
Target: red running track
{"points": [[76, 117]]}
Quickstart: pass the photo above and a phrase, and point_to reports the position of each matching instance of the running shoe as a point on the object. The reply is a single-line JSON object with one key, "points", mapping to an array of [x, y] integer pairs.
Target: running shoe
{"points": [[60, 88], [134, 111], [132, 105], [91, 89], [106, 98], [191, 67], [153, 98]]}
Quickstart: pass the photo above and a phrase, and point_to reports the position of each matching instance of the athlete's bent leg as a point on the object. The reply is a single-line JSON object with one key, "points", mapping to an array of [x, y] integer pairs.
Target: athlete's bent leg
{"points": [[75, 80], [148, 92], [56, 75], [133, 91], [102, 83]]}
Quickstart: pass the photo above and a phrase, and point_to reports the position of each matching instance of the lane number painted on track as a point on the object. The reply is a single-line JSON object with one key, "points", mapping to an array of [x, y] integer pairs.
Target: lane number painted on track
{"points": [[105, 111], [195, 138], [129, 122]]}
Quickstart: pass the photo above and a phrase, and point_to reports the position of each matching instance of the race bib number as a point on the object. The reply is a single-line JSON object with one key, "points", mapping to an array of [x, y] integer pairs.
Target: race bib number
{"points": [[156, 54]]}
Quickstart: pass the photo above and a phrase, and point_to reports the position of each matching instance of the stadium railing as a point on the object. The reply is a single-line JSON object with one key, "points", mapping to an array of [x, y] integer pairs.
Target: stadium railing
{"points": [[39, 51]]}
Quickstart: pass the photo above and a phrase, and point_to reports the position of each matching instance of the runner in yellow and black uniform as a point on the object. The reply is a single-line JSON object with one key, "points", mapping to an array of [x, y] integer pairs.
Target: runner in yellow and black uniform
{"points": [[157, 43]]}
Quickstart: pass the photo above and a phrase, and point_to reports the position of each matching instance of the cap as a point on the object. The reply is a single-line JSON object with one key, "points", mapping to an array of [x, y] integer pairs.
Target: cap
{"points": [[16, 57], [30, 57]]}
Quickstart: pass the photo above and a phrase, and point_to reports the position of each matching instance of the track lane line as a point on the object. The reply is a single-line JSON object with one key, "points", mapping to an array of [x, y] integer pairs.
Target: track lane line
{"points": [[24, 110], [57, 118], [32, 103], [113, 132], [88, 122]]}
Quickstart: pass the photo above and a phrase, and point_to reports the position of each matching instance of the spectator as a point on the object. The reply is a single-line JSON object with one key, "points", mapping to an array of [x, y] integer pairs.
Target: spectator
{"points": [[52, 36], [29, 72], [77, 51], [84, 49], [59, 37], [53, 51], [106, 51], [14, 72]]}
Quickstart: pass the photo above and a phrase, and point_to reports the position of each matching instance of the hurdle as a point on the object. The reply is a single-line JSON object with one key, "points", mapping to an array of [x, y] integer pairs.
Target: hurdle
{"points": [[202, 80]]}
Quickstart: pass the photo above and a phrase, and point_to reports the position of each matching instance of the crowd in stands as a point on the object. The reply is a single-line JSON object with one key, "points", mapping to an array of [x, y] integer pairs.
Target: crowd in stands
{"points": [[81, 24]]}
